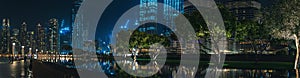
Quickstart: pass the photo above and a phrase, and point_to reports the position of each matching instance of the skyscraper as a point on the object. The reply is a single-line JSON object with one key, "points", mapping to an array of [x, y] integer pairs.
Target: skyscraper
{"points": [[31, 42], [15, 40], [5, 36], [241, 9], [244, 9], [23, 34], [150, 11], [65, 37], [75, 8], [41, 38], [169, 15], [75, 26], [53, 36]]}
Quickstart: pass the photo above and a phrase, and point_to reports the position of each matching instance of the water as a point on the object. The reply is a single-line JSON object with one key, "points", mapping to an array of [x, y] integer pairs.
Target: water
{"points": [[21, 69], [112, 69]]}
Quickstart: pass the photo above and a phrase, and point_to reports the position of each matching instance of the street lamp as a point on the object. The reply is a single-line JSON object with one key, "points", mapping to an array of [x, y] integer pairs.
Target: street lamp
{"points": [[23, 50], [13, 49], [30, 52]]}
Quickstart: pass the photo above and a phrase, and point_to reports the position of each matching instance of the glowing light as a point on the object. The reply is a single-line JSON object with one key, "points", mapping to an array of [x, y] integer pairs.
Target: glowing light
{"points": [[64, 30]]}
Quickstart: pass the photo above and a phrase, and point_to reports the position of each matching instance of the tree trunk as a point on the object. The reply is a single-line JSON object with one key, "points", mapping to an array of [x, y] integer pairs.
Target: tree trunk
{"points": [[297, 73], [297, 53], [234, 42]]}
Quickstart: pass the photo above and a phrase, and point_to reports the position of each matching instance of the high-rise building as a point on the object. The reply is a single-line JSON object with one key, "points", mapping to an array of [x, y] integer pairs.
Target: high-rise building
{"points": [[24, 37], [31, 42], [53, 36], [241, 9], [75, 8], [41, 38], [23, 34], [244, 9], [65, 37], [150, 11], [15, 41], [169, 15], [77, 37], [5, 36]]}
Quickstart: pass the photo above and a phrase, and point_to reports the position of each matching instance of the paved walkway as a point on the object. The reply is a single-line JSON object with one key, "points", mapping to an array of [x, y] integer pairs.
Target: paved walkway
{"points": [[17, 69], [21, 69]]}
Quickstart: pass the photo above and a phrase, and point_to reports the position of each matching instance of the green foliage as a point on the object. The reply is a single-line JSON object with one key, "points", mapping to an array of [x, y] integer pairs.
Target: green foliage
{"points": [[198, 24], [283, 18], [250, 30], [145, 40], [247, 30]]}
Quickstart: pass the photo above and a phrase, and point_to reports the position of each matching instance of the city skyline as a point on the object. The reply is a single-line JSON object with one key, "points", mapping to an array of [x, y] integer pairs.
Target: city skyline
{"points": [[148, 38], [34, 12], [105, 25]]}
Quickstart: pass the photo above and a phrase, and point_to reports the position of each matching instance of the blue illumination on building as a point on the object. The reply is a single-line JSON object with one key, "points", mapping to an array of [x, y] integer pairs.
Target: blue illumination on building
{"points": [[169, 15], [64, 30], [150, 11], [126, 25]]}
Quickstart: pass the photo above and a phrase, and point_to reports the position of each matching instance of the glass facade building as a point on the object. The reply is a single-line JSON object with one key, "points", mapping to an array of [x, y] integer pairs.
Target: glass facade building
{"points": [[5, 36], [150, 11]]}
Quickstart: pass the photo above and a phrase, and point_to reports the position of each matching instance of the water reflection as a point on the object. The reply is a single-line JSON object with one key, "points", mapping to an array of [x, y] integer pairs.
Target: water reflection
{"points": [[257, 73], [112, 69]]}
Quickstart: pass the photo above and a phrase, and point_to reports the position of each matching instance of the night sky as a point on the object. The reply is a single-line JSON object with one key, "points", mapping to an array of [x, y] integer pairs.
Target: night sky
{"points": [[111, 15]]}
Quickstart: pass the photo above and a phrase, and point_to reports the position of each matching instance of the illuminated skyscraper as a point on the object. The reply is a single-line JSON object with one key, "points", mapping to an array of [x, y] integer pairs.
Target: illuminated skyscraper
{"points": [[23, 34], [30, 41], [150, 11], [75, 26], [53, 36], [65, 36], [80, 32], [170, 15], [244, 9], [41, 38], [5, 36], [241, 9], [15, 40], [75, 8]]}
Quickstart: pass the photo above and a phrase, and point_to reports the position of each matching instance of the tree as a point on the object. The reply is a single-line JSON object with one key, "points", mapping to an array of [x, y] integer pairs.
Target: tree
{"points": [[283, 18], [247, 30], [254, 33], [144, 40]]}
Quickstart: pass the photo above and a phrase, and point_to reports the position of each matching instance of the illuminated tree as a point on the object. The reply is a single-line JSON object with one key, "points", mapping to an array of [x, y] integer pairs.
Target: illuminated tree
{"points": [[284, 19]]}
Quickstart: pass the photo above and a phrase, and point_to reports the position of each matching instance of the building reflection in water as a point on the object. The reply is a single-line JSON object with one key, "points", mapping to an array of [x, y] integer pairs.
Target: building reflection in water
{"points": [[110, 68], [258, 73]]}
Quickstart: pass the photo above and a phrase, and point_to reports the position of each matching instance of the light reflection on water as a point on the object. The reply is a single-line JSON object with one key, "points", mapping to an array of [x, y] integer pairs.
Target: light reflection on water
{"points": [[110, 68], [257, 73]]}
